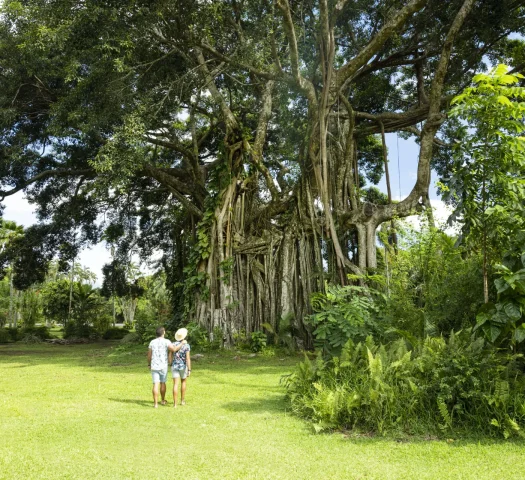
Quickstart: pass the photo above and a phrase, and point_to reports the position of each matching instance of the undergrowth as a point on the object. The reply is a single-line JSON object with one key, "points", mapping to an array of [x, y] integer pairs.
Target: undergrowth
{"points": [[454, 386]]}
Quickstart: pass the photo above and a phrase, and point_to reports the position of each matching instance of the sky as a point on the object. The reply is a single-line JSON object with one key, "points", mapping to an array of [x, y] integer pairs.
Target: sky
{"points": [[17, 208]]}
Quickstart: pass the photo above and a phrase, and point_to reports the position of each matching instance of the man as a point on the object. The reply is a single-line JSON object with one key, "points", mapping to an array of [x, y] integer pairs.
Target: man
{"points": [[158, 364]]}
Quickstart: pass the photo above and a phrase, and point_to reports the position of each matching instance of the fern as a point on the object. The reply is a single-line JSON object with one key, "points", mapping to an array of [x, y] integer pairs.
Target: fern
{"points": [[443, 410]]}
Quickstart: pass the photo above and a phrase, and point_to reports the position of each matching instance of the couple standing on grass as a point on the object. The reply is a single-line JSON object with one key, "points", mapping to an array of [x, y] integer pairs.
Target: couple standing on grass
{"points": [[161, 353]]}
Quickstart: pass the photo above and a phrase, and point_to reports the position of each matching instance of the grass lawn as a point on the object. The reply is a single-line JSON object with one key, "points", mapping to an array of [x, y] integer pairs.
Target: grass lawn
{"points": [[85, 411]]}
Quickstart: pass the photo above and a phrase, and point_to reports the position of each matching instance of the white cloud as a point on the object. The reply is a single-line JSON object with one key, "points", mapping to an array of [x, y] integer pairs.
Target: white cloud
{"points": [[441, 214], [19, 210]]}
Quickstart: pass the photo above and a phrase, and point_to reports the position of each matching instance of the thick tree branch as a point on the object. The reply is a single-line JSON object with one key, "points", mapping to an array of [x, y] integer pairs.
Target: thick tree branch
{"points": [[392, 26], [245, 66], [260, 138], [305, 85], [175, 187], [435, 118], [60, 172], [172, 146], [227, 114]]}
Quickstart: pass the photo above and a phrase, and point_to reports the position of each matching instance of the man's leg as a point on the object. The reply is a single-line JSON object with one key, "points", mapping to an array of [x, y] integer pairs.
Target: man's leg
{"points": [[175, 390], [156, 380], [156, 394], [183, 392], [163, 392]]}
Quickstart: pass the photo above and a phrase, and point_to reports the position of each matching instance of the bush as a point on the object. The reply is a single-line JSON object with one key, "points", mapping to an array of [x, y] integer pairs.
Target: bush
{"points": [[4, 336], [114, 334], [14, 334], [145, 324], [257, 341], [131, 338], [198, 336], [31, 339], [455, 385], [241, 341], [40, 332], [75, 330], [127, 326], [342, 313]]}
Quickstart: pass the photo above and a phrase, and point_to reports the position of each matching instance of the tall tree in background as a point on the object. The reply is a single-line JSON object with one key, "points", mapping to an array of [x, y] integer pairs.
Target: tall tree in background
{"points": [[487, 187], [236, 138], [9, 232]]}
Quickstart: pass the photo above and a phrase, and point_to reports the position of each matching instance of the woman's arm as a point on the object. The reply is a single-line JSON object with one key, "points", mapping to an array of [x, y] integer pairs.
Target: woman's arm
{"points": [[188, 362]]}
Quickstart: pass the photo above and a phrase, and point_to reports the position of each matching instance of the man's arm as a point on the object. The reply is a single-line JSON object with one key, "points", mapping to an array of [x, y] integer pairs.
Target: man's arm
{"points": [[171, 348], [149, 357]]}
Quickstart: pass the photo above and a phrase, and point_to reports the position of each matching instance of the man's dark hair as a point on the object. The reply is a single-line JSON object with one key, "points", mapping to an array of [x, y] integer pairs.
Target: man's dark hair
{"points": [[160, 331]]}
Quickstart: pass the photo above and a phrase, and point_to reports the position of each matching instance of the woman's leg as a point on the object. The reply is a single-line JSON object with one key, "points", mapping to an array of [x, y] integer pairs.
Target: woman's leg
{"points": [[183, 392], [175, 390]]}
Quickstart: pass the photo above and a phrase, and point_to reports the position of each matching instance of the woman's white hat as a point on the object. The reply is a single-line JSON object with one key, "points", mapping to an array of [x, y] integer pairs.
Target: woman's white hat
{"points": [[180, 334]]}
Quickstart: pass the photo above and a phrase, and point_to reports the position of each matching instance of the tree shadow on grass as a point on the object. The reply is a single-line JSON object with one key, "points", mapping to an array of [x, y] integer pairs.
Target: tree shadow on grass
{"points": [[105, 357], [140, 403], [272, 404]]}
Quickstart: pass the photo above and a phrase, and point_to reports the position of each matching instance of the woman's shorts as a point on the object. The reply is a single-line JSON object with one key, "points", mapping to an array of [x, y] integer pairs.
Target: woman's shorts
{"points": [[179, 373]]}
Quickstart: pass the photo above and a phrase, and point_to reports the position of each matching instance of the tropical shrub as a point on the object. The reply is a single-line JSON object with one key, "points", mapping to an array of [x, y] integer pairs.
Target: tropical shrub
{"points": [[115, 334], [41, 332], [4, 336], [30, 338], [444, 386], [433, 287], [240, 340], [14, 333], [342, 313], [257, 341], [198, 336], [145, 324], [131, 338], [80, 330], [503, 322], [216, 339]]}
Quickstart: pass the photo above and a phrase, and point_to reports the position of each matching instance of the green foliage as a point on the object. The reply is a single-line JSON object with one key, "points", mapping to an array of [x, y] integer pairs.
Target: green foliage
{"points": [[132, 338], [434, 286], [31, 307], [456, 385], [503, 322], [55, 299], [197, 335], [31, 339], [145, 324], [488, 182], [257, 341], [284, 335], [41, 332], [80, 330], [342, 313], [216, 341], [4, 336], [14, 333], [115, 334], [241, 341]]}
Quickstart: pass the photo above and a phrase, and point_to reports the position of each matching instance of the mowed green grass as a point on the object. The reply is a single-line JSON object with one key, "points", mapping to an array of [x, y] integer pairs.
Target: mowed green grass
{"points": [[85, 412]]}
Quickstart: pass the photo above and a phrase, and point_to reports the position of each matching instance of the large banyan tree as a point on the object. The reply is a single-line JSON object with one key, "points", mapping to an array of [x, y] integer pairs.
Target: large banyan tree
{"points": [[238, 139]]}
